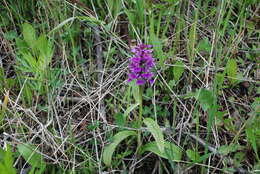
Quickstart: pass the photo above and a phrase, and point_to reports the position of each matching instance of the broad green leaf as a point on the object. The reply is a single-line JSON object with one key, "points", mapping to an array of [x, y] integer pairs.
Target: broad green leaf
{"points": [[6, 161], [156, 131], [206, 98], [204, 45], [22, 45], [44, 46], [119, 119], [171, 152], [231, 70], [31, 156], [193, 155], [178, 70], [3, 169], [29, 35], [219, 79], [109, 150]]}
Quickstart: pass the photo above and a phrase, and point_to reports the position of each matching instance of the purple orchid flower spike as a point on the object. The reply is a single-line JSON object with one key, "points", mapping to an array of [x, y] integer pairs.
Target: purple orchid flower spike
{"points": [[141, 65]]}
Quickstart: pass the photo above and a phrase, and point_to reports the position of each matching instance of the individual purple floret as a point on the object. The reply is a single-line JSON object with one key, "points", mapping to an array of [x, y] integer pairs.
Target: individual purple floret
{"points": [[141, 65]]}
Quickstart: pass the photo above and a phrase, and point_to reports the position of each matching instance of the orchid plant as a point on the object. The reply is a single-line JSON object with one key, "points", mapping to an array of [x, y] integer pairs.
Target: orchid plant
{"points": [[141, 68]]}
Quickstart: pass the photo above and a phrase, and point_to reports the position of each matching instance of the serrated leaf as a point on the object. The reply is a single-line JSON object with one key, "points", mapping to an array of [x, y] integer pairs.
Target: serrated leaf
{"points": [[178, 70], [156, 131], [172, 152], [231, 70], [109, 150], [31, 156]]}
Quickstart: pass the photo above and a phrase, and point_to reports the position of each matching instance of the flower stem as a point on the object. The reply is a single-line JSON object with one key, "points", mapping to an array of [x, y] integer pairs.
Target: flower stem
{"points": [[139, 121]]}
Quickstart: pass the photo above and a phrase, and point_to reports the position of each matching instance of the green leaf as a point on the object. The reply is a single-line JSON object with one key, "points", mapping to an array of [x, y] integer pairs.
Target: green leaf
{"points": [[31, 156], [226, 149], [251, 137], [231, 70], [204, 45], [193, 155], [22, 45], [45, 48], [178, 70], [140, 11], [32, 170], [158, 48], [6, 161], [11, 35], [109, 150], [219, 79], [29, 35], [3, 169], [130, 15], [2, 154], [206, 98], [130, 109], [29, 62], [120, 119], [69, 20], [135, 91], [114, 7], [156, 131], [172, 152]]}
